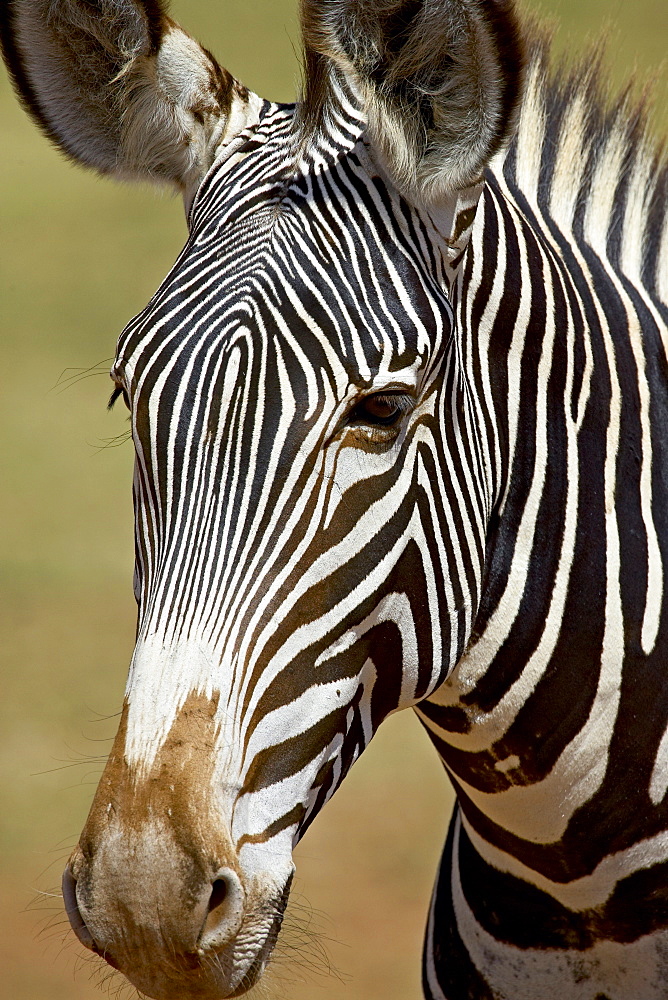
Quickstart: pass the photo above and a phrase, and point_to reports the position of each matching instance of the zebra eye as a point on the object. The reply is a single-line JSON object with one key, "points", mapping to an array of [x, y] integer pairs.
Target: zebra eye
{"points": [[383, 409]]}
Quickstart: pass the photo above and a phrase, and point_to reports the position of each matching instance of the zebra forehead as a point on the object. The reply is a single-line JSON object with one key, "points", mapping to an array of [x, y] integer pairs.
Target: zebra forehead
{"points": [[330, 259], [262, 340]]}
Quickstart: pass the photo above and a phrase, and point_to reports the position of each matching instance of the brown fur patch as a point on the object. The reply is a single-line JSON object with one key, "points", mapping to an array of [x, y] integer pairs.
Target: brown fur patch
{"points": [[177, 791]]}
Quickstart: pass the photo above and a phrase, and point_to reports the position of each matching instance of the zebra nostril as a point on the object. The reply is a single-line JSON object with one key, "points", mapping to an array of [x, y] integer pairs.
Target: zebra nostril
{"points": [[218, 894], [225, 910]]}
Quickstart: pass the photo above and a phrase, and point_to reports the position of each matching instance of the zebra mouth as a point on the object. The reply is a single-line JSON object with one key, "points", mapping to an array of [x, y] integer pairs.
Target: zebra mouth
{"points": [[261, 960], [77, 923]]}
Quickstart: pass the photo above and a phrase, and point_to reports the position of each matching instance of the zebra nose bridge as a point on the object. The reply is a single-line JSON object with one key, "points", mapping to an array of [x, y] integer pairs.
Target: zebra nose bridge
{"points": [[160, 871], [188, 625], [159, 833]]}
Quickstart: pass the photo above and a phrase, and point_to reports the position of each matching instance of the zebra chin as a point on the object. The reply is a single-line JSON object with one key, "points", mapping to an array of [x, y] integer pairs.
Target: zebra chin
{"points": [[174, 938]]}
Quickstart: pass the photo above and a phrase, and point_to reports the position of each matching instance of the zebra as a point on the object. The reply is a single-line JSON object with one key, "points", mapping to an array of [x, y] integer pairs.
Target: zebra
{"points": [[400, 414]]}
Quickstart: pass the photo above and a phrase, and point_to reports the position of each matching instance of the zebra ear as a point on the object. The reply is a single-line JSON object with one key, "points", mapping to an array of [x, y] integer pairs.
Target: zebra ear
{"points": [[120, 87], [439, 81]]}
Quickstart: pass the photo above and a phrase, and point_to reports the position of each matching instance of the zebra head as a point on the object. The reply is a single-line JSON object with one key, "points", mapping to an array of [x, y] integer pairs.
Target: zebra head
{"points": [[311, 491]]}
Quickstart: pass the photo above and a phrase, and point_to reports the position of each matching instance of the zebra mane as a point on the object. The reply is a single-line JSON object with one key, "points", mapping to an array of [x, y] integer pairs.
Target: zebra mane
{"points": [[591, 164]]}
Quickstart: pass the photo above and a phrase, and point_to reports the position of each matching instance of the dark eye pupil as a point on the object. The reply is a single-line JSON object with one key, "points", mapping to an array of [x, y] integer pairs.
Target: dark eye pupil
{"points": [[381, 408]]}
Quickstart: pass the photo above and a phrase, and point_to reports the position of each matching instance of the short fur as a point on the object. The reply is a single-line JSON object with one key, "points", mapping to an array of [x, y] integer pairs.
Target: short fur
{"points": [[496, 555]]}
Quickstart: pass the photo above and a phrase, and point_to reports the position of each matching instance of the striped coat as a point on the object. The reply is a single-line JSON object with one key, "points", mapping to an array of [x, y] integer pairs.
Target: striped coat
{"points": [[399, 411]]}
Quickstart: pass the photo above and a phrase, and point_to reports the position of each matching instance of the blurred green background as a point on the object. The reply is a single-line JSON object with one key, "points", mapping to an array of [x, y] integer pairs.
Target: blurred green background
{"points": [[78, 257]]}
